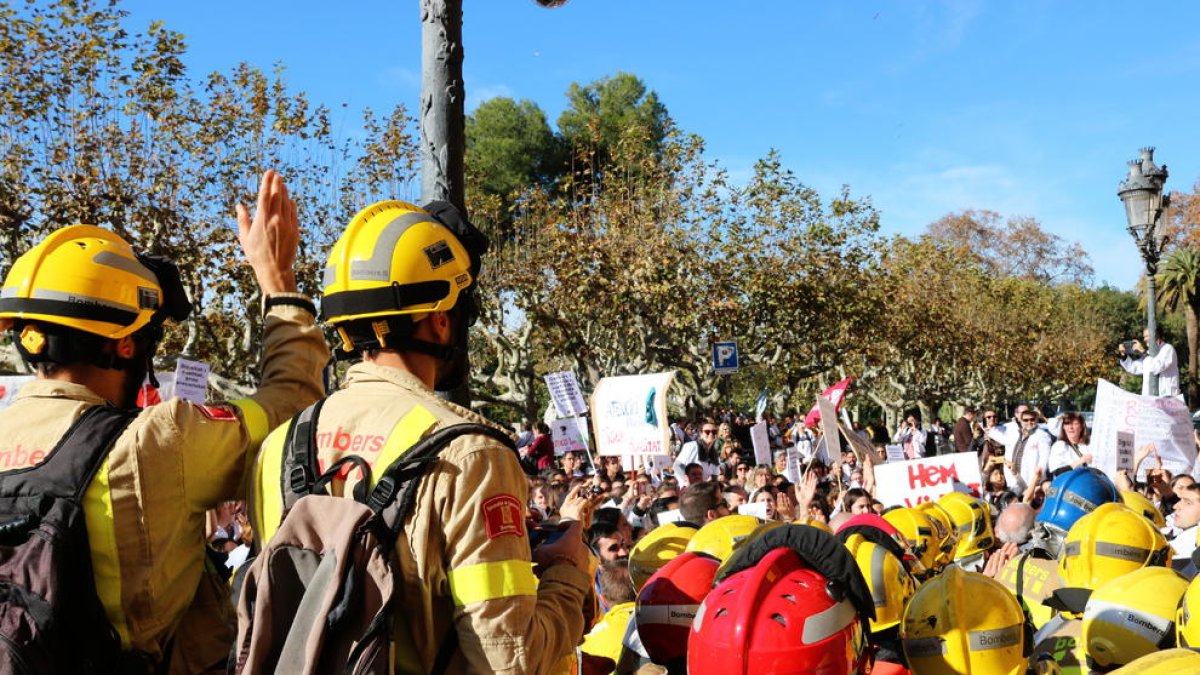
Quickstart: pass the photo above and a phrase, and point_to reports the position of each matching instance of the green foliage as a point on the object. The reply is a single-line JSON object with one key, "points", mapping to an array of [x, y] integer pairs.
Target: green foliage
{"points": [[102, 126], [614, 121], [510, 148]]}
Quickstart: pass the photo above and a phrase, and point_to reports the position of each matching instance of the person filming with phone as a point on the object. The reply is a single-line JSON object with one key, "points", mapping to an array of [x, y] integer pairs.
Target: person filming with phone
{"points": [[1164, 364]]}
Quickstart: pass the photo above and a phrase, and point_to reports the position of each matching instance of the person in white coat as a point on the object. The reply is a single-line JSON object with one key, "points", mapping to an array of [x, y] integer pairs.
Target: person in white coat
{"points": [[1164, 364], [1026, 449], [1070, 451], [702, 451]]}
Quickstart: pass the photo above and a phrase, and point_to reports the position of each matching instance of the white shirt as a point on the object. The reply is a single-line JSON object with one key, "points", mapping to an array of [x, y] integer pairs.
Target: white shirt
{"points": [[689, 453], [1184, 543], [913, 441], [1036, 453], [1165, 364], [1062, 455]]}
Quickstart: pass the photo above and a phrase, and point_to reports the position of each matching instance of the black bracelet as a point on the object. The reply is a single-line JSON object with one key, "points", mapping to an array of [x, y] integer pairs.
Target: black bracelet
{"points": [[291, 301]]}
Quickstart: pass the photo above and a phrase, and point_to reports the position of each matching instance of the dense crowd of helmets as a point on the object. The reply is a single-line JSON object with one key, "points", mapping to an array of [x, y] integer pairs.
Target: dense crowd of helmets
{"points": [[900, 593]]}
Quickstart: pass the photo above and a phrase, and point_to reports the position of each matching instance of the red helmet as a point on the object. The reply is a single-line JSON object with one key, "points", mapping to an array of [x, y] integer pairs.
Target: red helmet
{"points": [[779, 616], [669, 601]]}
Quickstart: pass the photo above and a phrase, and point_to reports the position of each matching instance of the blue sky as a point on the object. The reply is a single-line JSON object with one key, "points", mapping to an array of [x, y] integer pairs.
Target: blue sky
{"points": [[1026, 108]]}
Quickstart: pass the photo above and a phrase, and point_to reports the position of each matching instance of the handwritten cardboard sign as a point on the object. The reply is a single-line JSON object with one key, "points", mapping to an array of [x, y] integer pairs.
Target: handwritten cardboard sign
{"points": [[570, 435], [630, 415], [1162, 420], [914, 481], [191, 380]]}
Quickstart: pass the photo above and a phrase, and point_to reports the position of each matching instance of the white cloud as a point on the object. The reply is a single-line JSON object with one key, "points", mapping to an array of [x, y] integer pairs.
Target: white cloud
{"points": [[399, 77]]}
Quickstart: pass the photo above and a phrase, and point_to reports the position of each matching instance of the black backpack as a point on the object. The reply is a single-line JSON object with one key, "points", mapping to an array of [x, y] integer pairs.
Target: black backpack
{"points": [[51, 619], [320, 596]]}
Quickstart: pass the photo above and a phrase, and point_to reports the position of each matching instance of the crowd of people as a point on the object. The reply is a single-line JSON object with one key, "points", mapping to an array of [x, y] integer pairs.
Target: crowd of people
{"points": [[382, 528], [1062, 567]]}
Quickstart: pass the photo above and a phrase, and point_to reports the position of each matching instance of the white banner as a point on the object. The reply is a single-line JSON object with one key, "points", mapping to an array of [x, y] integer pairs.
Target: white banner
{"points": [[10, 385], [570, 435], [630, 414], [762, 444], [914, 481], [565, 393], [1161, 420], [829, 430]]}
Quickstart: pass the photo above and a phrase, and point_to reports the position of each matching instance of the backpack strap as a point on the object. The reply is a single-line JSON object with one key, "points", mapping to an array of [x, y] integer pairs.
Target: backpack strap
{"points": [[299, 472], [70, 467], [396, 492]]}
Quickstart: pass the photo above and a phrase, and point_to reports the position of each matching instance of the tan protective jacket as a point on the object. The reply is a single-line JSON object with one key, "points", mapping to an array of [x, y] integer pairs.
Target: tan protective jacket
{"points": [[145, 509], [464, 552]]}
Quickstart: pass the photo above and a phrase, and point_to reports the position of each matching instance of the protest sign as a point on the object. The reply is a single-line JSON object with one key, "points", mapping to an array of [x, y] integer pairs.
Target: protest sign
{"points": [[1163, 421], [914, 481], [1125, 451], [570, 435], [829, 430], [861, 446], [895, 453], [757, 509], [191, 380], [760, 406], [761, 443], [630, 416], [794, 471], [9, 386], [565, 393]]}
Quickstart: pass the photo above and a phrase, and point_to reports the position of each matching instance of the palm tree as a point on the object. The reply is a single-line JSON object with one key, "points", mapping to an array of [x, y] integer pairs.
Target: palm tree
{"points": [[1179, 279]]}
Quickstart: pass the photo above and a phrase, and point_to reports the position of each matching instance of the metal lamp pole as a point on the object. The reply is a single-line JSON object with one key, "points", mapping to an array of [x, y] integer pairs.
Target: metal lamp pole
{"points": [[1142, 193]]}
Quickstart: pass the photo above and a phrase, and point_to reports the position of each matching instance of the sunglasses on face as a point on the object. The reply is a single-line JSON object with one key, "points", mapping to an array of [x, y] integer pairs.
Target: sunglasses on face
{"points": [[709, 432], [1028, 419]]}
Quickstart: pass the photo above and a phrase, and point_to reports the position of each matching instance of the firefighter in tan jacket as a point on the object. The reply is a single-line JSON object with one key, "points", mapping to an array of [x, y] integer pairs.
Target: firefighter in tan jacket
{"points": [[399, 291], [86, 312]]}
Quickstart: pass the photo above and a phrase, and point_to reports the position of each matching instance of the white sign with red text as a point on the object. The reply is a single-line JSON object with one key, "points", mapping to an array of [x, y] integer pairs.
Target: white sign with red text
{"points": [[1161, 420], [914, 481], [630, 416], [570, 435]]}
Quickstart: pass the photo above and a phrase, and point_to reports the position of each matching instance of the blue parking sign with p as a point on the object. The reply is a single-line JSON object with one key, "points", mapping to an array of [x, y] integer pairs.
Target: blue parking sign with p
{"points": [[725, 358]]}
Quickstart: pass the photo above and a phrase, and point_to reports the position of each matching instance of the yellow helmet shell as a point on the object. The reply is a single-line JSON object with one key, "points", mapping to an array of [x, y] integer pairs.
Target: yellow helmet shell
{"points": [[394, 258], [1129, 616], [1187, 622], [657, 548], [721, 537], [963, 622], [943, 530], [82, 277], [921, 533], [890, 583], [1168, 662], [811, 522], [1138, 502], [972, 520], [1108, 542]]}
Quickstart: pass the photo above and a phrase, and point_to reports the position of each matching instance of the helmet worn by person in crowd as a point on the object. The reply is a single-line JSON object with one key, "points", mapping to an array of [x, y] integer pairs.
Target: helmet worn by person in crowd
{"points": [[813, 522], [659, 547], [1074, 494], [81, 286], [720, 537], [961, 623], [1167, 662], [972, 522], [1132, 615], [669, 601], [875, 528], [890, 583], [944, 533], [1187, 618], [920, 532], [1108, 542], [790, 601], [1138, 502], [393, 265]]}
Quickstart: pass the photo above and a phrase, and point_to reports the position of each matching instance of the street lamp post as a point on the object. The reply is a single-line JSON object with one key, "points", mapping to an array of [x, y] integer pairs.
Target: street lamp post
{"points": [[1142, 193]]}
